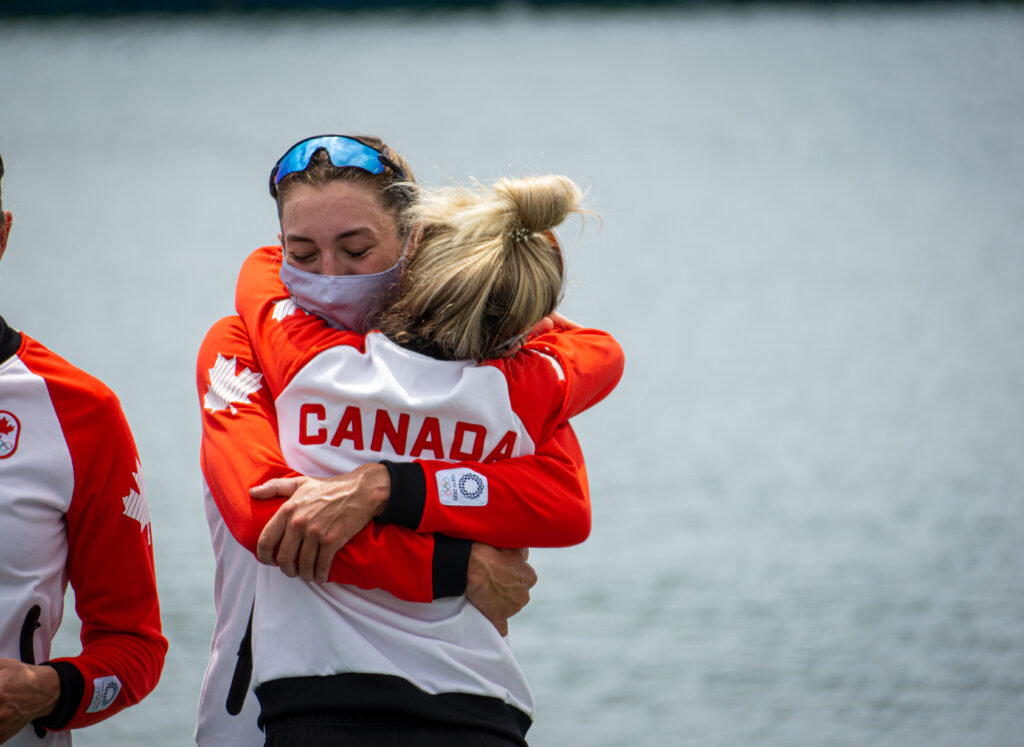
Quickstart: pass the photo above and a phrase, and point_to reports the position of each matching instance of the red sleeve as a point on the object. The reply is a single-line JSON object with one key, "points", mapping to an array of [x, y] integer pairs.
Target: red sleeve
{"points": [[110, 558], [541, 500], [240, 449], [589, 363]]}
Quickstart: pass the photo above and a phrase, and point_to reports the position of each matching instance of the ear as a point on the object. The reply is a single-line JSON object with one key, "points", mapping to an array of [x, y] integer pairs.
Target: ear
{"points": [[6, 219], [413, 242]]}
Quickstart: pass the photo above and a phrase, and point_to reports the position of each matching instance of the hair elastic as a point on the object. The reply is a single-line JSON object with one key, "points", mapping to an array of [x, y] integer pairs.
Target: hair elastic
{"points": [[520, 234]]}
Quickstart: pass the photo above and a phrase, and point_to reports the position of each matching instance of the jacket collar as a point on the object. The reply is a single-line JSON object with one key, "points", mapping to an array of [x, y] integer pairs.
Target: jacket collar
{"points": [[10, 340]]}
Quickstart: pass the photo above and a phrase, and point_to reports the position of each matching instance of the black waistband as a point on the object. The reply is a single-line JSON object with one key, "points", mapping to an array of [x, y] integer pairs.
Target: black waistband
{"points": [[383, 693]]}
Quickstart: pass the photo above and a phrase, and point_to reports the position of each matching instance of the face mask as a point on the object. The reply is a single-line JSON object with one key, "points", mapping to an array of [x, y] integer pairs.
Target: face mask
{"points": [[345, 301]]}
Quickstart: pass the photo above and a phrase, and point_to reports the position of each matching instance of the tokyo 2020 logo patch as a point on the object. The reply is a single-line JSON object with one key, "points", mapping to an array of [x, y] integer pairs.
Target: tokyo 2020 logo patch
{"points": [[10, 430], [472, 486], [104, 691], [461, 487]]}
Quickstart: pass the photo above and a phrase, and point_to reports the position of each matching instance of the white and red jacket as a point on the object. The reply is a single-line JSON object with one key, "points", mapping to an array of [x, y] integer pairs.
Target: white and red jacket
{"points": [[73, 508], [240, 449], [341, 400]]}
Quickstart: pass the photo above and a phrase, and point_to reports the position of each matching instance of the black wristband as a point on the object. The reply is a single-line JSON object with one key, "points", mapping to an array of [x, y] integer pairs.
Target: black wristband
{"points": [[408, 495], [72, 689], [451, 564]]}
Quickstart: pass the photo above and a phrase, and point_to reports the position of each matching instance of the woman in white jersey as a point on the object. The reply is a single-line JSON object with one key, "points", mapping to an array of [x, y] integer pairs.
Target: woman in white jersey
{"points": [[336, 663], [339, 198]]}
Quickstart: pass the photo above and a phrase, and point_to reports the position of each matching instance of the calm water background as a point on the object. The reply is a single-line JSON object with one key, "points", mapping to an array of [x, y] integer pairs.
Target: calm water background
{"points": [[808, 489]]}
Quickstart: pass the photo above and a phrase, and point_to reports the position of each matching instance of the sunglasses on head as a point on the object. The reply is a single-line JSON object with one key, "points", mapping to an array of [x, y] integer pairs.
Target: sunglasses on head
{"points": [[343, 152]]}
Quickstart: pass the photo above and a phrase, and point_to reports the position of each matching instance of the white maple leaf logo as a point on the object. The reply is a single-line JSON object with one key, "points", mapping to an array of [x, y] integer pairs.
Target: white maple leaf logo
{"points": [[227, 387], [135, 504], [285, 308]]}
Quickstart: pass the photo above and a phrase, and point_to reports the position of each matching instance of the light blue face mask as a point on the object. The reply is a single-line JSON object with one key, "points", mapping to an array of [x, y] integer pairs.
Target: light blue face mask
{"points": [[352, 302]]}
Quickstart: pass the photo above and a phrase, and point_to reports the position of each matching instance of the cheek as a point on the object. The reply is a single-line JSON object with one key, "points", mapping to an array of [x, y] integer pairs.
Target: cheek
{"points": [[387, 257]]}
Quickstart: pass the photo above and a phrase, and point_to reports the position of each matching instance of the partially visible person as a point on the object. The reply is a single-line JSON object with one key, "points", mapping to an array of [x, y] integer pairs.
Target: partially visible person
{"points": [[72, 509], [339, 664]]}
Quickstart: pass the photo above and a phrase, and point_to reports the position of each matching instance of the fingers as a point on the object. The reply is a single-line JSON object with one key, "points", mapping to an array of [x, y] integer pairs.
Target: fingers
{"points": [[511, 351], [294, 554], [288, 553], [307, 559], [289, 542], [544, 325], [324, 559], [266, 546], [278, 487], [530, 579], [563, 322]]}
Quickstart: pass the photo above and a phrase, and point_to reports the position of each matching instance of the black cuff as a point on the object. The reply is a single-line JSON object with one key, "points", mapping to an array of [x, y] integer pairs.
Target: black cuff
{"points": [[451, 564], [72, 689], [408, 495]]}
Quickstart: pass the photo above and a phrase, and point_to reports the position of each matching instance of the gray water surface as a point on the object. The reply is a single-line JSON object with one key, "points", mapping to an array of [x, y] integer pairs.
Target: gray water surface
{"points": [[808, 489]]}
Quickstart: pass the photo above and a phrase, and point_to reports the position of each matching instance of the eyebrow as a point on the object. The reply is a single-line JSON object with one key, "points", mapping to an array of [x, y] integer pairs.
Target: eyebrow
{"points": [[354, 232], [343, 235]]}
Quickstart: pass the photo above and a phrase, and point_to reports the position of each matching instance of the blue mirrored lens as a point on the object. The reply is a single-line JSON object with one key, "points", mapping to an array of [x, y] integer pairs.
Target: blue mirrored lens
{"points": [[343, 152]]}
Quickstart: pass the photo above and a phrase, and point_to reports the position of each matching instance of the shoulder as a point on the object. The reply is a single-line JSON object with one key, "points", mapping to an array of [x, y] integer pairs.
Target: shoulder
{"points": [[63, 377], [264, 257], [77, 396], [229, 331], [528, 364], [272, 254]]}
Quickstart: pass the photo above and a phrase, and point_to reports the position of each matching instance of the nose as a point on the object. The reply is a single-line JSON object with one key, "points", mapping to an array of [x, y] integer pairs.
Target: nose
{"points": [[332, 264]]}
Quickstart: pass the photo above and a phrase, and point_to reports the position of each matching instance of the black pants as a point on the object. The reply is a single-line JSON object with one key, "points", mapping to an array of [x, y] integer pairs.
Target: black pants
{"points": [[380, 729]]}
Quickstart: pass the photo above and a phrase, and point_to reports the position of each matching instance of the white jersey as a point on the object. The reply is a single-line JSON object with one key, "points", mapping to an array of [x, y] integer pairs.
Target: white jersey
{"points": [[73, 509], [331, 417]]}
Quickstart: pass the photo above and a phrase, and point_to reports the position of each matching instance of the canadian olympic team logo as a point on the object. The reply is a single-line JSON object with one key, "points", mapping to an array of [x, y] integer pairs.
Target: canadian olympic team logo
{"points": [[10, 429]]}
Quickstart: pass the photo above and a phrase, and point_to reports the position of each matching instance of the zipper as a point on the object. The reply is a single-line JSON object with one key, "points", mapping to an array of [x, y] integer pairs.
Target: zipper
{"points": [[28, 631], [28, 651]]}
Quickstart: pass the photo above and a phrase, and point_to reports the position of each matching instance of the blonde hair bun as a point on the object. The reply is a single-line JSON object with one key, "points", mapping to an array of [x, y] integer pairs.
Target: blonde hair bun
{"points": [[484, 271], [540, 203]]}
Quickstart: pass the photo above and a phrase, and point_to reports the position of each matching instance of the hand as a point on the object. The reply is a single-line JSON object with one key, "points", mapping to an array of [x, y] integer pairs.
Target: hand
{"points": [[551, 322], [498, 582], [319, 517], [558, 321], [27, 692]]}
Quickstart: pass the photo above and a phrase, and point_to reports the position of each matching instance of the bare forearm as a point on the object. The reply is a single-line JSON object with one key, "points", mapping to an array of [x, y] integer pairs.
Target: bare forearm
{"points": [[27, 692]]}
